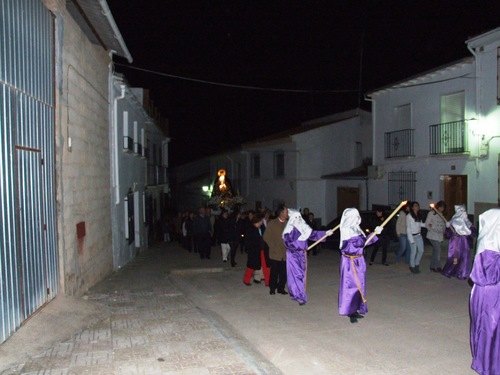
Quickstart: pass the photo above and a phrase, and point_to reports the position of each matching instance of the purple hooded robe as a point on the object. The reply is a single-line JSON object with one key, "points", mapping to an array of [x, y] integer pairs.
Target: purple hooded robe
{"points": [[459, 249], [296, 257], [352, 272], [485, 297], [352, 288]]}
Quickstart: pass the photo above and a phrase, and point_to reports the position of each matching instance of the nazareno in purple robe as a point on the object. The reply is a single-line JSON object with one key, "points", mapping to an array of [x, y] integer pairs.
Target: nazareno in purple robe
{"points": [[459, 248], [485, 313], [296, 263], [352, 265]]}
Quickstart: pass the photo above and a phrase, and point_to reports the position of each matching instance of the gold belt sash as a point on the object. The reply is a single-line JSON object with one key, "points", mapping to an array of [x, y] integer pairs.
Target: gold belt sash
{"points": [[356, 279]]}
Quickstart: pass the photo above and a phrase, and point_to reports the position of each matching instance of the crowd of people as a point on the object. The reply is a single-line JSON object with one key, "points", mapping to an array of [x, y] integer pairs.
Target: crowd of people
{"points": [[460, 232], [276, 246]]}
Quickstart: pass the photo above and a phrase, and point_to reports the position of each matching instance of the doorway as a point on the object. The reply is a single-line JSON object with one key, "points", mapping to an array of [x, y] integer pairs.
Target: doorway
{"points": [[455, 192], [347, 197]]}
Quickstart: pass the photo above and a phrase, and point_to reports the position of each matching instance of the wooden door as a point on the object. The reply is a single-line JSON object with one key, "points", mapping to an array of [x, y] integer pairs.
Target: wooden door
{"points": [[455, 192], [347, 197]]}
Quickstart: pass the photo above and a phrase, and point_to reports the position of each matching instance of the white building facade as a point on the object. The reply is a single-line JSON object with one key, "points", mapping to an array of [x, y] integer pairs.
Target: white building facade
{"points": [[434, 134], [308, 166], [139, 162], [312, 165]]}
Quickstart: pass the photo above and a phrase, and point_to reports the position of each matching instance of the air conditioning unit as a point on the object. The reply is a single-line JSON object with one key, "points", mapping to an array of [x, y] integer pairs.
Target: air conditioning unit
{"points": [[375, 172]]}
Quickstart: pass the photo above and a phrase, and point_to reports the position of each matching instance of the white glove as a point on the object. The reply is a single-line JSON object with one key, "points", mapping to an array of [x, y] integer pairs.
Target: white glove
{"points": [[448, 224], [378, 230], [329, 232]]}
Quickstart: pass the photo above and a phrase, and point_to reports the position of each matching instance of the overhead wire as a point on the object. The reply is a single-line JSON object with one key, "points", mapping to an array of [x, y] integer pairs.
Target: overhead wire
{"points": [[233, 85]]}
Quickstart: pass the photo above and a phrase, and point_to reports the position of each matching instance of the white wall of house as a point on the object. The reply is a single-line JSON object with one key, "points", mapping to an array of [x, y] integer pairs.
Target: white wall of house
{"points": [[477, 78], [82, 155], [338, 146], [269, 189], [332, 144], [130, 179], [487, 50], [423, 95]]}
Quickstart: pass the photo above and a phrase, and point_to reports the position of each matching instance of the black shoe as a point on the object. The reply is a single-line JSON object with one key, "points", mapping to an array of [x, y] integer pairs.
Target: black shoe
{"points": [[371, 263], [208, 257], [256, 281], [233, 264], [358, 315], [302, 303], [224, 261], [284, 292], [386, 264], [417, 269], [412, 270], [271, 292], [353, 318]]}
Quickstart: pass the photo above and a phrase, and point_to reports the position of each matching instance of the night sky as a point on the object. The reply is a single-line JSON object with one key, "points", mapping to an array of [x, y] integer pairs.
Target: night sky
{"points": [[315, 57]]}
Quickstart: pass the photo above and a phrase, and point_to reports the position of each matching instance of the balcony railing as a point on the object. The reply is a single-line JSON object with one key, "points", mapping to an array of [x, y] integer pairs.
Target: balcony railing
{"points": [[448, 138], [399, 143]]}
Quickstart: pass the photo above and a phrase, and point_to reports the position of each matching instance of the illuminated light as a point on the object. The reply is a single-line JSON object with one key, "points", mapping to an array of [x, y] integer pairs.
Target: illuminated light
{"points": [[222, 179], [204, 188]]}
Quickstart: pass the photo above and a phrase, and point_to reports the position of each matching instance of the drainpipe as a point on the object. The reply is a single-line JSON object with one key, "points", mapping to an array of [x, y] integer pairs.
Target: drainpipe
{"points": [[477, 109], [247, 154], [116, 140], [374, 117], [107, 13]]}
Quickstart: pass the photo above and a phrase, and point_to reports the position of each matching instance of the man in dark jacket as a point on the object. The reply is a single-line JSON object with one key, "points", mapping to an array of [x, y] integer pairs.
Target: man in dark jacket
{"points": [[223, 231], [383, 238], [277, 250], [202, 232]]}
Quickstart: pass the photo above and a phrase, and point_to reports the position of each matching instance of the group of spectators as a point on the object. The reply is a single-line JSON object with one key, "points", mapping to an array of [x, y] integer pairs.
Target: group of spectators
{"points": [[199, 231], [459, 230], [247, 231]]}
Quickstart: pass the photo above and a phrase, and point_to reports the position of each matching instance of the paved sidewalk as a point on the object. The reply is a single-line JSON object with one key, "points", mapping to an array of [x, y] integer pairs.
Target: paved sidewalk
{"points": [[151, 328], [169, 312]]}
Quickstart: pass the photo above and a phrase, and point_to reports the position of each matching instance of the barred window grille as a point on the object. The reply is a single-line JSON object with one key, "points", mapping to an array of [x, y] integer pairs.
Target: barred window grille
{"points": [[255, 160], [279, 164], [401, 187]]}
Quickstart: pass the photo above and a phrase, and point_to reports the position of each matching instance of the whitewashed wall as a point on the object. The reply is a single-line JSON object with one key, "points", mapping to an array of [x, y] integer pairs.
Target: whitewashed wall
{"points": [[478, 77]]}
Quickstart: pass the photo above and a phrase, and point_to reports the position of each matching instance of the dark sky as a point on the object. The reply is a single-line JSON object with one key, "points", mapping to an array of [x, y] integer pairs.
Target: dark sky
{"points": [[311, 48]]}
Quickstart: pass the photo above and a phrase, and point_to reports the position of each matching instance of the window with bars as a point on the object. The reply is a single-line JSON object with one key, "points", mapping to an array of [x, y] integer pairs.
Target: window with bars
{"points": [[453, 107], [449, 136], [128, 141], [399, 142], [279, 164], [402, 186], [403, 117], [255, 165]]}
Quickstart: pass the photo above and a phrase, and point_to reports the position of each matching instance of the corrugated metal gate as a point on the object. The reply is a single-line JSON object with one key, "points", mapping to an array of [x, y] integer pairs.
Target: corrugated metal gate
{"points": [[29, 262]]}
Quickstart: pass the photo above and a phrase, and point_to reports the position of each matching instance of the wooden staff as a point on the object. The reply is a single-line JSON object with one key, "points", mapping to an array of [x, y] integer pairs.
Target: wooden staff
{"points": [[433, 206], [322, 238], [370, 237], [455, 259]]}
